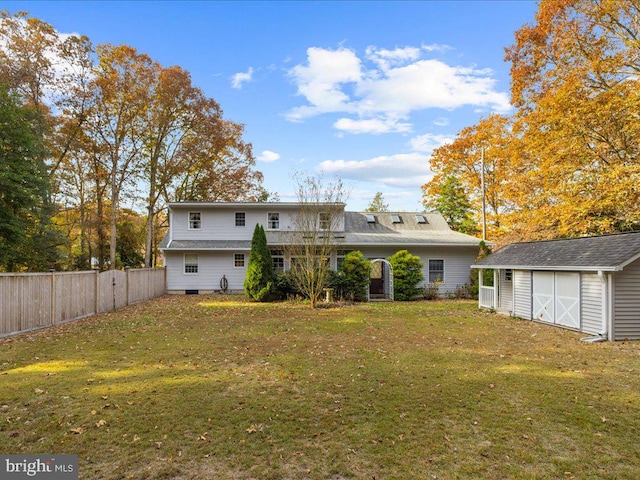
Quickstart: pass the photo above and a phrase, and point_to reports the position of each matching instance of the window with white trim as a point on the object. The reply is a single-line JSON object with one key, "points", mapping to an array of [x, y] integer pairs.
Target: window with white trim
{"points": [[324, 221], [238, 260], [277, 258], [273, 221], [190, 263], [195, 220], [436, 270], [241, 218]]}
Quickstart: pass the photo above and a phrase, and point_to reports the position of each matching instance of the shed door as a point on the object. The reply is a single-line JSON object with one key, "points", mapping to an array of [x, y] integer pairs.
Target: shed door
{"points": [[543, 301], [568, 299], [556, 298]]}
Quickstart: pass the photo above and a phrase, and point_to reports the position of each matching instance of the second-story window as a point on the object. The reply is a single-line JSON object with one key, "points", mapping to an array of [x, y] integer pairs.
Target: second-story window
{"points": [[195, 220], [324, 221], [273, 221], [240, 219]]}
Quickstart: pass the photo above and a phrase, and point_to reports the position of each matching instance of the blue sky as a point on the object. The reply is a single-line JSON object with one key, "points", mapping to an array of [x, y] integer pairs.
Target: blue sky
{"points": [[359, 90]]}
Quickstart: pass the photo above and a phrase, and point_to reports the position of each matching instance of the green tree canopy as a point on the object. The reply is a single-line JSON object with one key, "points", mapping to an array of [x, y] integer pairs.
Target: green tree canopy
{"points": [[377, 204], [24, 186], [454, 205]]}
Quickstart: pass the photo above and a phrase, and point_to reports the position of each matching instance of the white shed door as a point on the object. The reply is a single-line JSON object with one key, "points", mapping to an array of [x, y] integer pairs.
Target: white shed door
{"points": [[543, 298], [568, 299], [556, 298]]}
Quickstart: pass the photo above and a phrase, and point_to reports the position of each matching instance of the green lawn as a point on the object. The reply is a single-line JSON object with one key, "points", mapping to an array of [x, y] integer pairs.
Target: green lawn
{"points": [[211, 387]]}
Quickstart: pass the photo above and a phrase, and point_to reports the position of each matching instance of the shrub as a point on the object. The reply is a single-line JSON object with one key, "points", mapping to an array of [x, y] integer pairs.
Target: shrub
{"points": [[407, 275], [285, 286], [356, 271], [258, 282]]}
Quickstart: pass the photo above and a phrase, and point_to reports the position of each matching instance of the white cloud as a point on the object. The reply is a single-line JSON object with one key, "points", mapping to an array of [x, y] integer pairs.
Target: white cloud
{"points": [[268, 156], [441, 121], [321, 80], [371, 125], [428, 142], [407, 170], [382, 89], [238, 79]]}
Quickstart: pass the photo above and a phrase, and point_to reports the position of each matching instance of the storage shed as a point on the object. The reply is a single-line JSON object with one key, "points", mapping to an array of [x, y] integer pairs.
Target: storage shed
{"points": [[589, 284]]}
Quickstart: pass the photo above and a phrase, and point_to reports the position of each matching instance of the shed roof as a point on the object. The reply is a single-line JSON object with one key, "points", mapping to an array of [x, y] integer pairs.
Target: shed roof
{"points": [[604, 252]]}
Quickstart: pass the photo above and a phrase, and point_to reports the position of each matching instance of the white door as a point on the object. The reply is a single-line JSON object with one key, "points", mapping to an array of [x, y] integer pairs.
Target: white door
{"points": [[543, 301], [568, 299]]}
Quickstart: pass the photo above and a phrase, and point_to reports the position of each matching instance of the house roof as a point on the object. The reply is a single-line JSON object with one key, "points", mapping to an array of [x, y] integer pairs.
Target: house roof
{"points": [[604, 252]]}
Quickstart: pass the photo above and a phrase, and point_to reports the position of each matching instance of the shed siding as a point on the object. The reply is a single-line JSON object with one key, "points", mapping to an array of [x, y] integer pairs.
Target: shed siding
{"points": [[591, 294], [522, 294], [506, 291], [627, 303]]}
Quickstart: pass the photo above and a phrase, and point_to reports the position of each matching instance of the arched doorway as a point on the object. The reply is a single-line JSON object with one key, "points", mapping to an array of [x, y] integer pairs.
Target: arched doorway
{"points": [[380, 280]]}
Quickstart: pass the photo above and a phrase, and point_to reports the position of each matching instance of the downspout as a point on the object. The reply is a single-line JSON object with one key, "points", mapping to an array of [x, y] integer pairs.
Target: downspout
{"points": [[606, 317]]}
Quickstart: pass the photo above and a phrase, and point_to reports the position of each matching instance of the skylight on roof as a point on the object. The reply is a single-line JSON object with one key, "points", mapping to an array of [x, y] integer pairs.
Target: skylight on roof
{"points": [[371, 218], [421, 219], [396, 218]]}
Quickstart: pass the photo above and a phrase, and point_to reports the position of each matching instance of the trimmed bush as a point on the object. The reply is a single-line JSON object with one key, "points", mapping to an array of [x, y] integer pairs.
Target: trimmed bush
{"points": [[407, 275], [258, 282], [355, 269]]}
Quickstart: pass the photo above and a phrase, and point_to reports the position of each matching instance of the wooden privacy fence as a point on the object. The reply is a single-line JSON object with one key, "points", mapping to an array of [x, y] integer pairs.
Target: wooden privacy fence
{"points": [[29, 301]]}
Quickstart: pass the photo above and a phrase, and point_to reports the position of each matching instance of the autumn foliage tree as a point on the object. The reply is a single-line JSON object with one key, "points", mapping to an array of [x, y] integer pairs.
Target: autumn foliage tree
{"points": [[571, 153], [119, 129]]}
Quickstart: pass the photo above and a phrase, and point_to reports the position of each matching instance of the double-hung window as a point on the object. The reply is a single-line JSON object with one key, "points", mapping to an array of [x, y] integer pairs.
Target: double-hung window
{"points": [[436, 271], [324, 221], [277, 258], [195, 220], [240, 219], [190, 263], [273, 221], [238, 260]]}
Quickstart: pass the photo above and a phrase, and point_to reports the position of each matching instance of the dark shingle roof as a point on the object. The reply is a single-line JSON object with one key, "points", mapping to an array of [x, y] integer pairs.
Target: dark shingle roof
{"points": [[604, 252]]}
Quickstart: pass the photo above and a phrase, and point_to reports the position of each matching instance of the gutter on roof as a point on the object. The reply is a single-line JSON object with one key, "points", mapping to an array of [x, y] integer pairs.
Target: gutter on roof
{"points": [[564, 268]]}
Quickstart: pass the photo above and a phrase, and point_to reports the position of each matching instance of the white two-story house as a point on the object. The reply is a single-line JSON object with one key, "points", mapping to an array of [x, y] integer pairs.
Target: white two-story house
{"points": [[207, 246]]}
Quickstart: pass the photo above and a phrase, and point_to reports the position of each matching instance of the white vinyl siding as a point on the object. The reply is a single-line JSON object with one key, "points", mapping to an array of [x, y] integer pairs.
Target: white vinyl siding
{"points": [[211, 267], [219, 224], [591, 289], [522, 294], [627, 303]]}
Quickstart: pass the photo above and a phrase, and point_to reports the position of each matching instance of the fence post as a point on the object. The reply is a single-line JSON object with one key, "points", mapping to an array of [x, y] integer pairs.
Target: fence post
{"points": [[96, 287], [126, 282], [53, 297]]}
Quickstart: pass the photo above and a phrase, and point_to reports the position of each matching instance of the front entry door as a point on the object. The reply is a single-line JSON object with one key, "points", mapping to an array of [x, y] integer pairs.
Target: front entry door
{"points": [[377, 278]]}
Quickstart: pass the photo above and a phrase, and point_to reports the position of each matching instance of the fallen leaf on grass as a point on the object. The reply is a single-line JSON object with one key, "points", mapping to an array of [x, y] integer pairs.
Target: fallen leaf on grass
{"points": [[38, 391], [78, 430], [255, 428], [100, 423]]}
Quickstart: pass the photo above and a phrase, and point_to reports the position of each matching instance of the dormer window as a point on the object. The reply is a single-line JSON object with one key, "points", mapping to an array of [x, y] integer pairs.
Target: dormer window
{"points": [[371, 218], [324, 221], [195, 220], [396, 218], [421, 219]]}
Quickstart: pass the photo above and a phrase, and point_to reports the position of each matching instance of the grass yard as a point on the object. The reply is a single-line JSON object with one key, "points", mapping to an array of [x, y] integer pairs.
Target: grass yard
{"points": [[211, 387]]}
